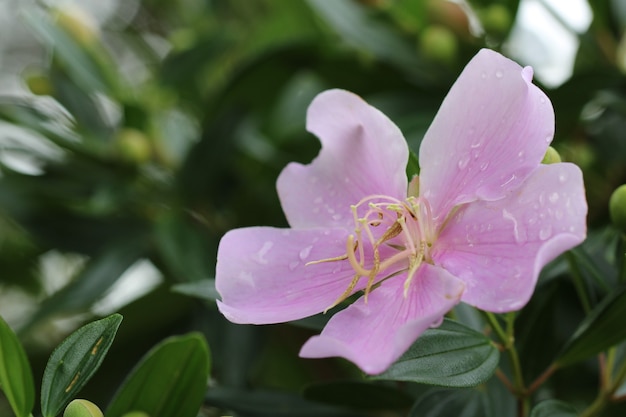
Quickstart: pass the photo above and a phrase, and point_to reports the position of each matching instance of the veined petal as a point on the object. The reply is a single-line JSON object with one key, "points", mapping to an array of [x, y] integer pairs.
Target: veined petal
{"points": [[374, 334], [363, 153], [263, 278], [498, 248], [491, 131]]}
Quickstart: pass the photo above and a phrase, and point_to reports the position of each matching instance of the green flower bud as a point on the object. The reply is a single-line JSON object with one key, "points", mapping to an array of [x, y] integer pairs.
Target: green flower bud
{"points": [[82, 408], [551, 157], [38, 83], [439, 43], [617, 208], [133, 145]]}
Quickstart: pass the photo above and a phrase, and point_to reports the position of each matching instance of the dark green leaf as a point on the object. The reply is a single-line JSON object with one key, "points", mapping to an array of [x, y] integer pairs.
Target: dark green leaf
{"points": [[359, 395], [553, 408], [601, 329], [16, 379], [170, 381], [451, 355], [74, 362]]}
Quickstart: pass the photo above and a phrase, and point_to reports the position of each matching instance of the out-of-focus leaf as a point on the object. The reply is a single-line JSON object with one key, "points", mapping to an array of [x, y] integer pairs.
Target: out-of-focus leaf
{"points": [[80, 65], [74, 362], [16, 378], [271, 404], [359, 395], [601, 329], [358, 29], [98, 275], [170, 381], [204, 289], [553, 408], [413, 166], [451, 355]]}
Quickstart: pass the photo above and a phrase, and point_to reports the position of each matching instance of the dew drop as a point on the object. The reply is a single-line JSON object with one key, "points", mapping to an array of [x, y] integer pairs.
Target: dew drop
{"points": [[304, 253], [293, 265], [476, 143], [483, 75], [263, 251], [484, 165], [337, 216], [499, 74], [462, 164], [548, 139], [562, 178], [554, 197], [542, 99], [545, 232], [517, 272]]}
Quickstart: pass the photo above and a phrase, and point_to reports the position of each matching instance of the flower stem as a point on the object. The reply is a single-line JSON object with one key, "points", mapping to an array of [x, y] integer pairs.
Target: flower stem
{"points": [[506, 338], [579, 284]]}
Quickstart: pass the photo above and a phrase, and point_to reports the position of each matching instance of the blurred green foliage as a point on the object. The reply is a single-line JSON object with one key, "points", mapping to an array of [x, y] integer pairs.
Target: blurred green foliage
{"points": [[149, 134]]}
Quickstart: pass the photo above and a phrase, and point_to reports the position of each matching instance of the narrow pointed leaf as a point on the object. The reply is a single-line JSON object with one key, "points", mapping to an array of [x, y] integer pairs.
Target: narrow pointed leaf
{"points": [[170, 381], [451, 355], [16, 378], [601, 329], [74, 362], [553, 408]]}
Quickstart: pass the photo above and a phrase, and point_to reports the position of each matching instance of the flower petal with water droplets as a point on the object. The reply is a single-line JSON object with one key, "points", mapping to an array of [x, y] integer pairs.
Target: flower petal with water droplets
{"points": [[498, 248], [490, 133], [363, 153], [262, 274], [374, 334]]}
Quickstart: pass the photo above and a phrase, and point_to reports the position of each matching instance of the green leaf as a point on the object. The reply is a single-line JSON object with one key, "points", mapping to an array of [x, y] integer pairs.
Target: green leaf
{"points": [[602, 328], [170, 381], [74, 362], [553, 408], [204, 289], [16, 378], [413, 165], [451, 355]]}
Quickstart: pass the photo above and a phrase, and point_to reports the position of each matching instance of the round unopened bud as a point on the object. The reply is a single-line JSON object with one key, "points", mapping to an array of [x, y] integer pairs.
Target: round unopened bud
{"points": [[496, 19], [136, 414], [82, 408], [551, 157], [617, 208], [133, 145], [439, 43], [38, 83]]}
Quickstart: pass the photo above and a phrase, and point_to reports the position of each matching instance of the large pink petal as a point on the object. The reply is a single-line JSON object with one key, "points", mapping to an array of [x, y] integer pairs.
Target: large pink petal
{"points": [[498, 248], [262, 277], [374, 334], [363, 153], [491, 131]]}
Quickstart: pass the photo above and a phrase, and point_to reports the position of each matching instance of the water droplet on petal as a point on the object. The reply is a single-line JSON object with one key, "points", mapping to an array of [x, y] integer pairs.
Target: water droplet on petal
{"points": [[260, 256], [554, 197], [337, 216], [499, 74], [293, 265], [304, 253], [462, 164], [484, 165], [562, 178], [483, 75], [545, 232]]}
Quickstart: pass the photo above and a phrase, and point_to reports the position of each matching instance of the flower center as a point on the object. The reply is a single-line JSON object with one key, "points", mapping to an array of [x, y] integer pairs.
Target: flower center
{"points": [[390, 237]]}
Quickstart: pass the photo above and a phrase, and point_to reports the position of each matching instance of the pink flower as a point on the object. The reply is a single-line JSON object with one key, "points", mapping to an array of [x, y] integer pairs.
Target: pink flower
{"points": [[484, 219]]}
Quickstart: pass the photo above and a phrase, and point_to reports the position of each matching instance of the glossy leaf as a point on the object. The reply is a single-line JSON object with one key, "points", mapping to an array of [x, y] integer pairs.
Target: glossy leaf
{"points": [[74, 362], [16, 379], [170, 381], [553, 408], [451, 355], [601, 329]]}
